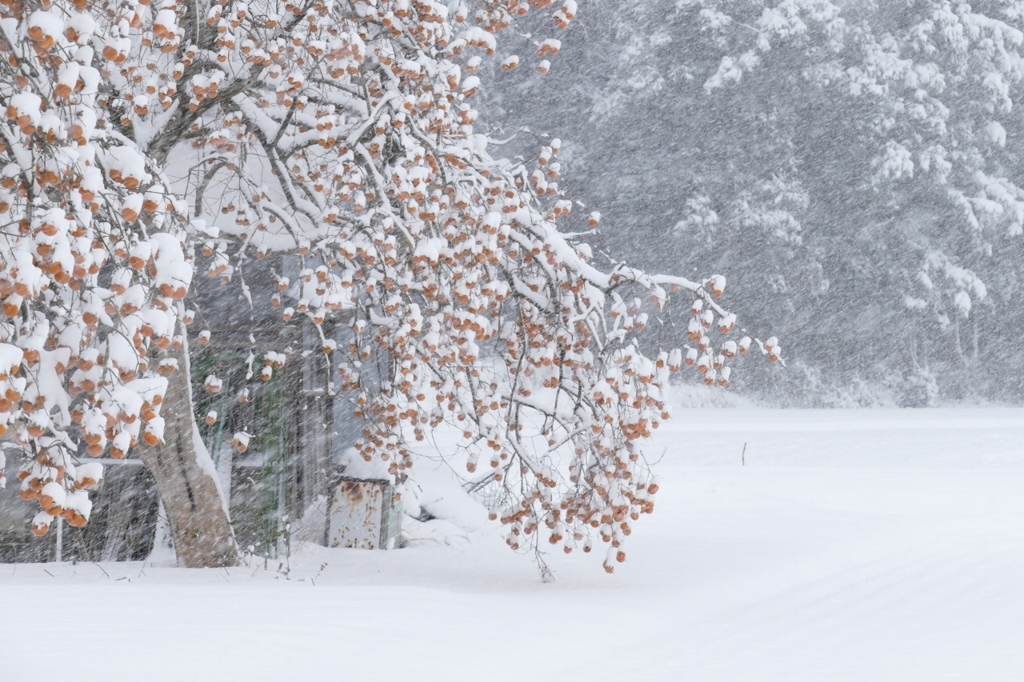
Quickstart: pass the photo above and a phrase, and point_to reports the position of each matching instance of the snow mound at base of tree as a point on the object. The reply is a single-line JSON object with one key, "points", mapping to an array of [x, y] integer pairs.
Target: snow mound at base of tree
{"points": [[853, 545], [434, 531]]}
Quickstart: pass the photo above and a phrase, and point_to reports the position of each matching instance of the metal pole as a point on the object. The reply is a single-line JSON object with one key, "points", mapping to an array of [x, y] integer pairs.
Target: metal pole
{"points": [[60, 539]]}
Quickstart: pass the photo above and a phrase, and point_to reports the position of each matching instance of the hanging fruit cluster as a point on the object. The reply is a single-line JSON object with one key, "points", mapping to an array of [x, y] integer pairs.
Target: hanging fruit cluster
{"points": [[92, 266]]}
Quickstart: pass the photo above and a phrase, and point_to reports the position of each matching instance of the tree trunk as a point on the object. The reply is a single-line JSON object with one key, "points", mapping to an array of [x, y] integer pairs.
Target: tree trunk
{"points": [[187, 480]]}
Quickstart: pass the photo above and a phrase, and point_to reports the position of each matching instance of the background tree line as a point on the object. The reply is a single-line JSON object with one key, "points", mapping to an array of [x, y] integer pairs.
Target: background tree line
{"points": [[854, 167]]}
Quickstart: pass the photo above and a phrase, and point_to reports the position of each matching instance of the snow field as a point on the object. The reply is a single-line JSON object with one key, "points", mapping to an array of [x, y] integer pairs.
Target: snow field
{"points": [[853, 545]]}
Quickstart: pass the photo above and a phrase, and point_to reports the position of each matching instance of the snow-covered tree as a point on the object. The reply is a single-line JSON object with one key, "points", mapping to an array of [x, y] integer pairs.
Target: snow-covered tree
{"points": [[342, 134]]}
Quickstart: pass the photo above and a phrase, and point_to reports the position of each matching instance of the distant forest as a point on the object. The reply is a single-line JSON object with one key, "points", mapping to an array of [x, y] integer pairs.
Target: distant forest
{"points": [[853, 168]]}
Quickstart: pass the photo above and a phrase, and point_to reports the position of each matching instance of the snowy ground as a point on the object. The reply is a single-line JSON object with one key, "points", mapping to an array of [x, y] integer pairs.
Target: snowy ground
{"points": [[854, 545]]}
